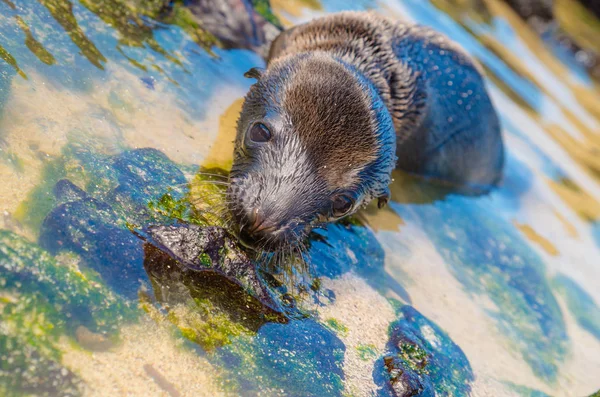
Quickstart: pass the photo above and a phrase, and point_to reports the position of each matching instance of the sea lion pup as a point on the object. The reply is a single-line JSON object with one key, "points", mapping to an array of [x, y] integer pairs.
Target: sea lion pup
{"points": [[345, 99]]}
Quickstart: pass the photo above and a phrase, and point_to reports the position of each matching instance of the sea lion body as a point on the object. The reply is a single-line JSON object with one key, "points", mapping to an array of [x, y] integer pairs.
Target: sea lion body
{"points": [[354, 95]]}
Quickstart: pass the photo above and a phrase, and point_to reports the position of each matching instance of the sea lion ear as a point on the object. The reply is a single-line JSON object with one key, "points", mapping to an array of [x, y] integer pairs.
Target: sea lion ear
{"points": [[383, 199], [254, 73]]}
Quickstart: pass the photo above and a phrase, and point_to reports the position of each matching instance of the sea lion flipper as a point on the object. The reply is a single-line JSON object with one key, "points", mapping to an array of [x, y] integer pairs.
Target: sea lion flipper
{"points": [[254, 73], [383, 199]]}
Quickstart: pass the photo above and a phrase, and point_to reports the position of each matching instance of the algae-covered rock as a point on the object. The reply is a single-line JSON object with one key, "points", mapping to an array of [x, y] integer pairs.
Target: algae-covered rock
{"points": [[97, 229], [40, 301], [90, 228], [209, 288], [209, 250], [301, 358], [237, 23], [24, 371], [422, 360]]}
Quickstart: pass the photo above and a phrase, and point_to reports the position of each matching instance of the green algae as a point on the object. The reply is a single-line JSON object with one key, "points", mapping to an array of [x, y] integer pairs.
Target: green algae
{"points": [[31, 273], [421, 358], [201, 322], [367, 352], [181, 16], [43, 300], [35, 46], [580, 304], [62, 12], [40, 201], [336, 326], [263, 8], [414, 356], [301, 358], [8, 58]]}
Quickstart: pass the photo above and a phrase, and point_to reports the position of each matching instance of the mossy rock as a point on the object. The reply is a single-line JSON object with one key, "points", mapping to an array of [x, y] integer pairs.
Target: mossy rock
{"points": [[301, 358], [42, 300], [422, 360]]}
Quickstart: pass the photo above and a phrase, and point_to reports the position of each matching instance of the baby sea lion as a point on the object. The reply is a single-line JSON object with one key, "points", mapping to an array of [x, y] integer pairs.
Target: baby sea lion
{"points": [[343, 101]]}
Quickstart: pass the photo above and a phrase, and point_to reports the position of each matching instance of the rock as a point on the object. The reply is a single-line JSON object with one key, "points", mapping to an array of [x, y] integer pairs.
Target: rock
{"points": [[236, 23], [26, 371], [301, 358], [42, 300], [90, 228], [204, 263], [343, 247], [422, 360]]}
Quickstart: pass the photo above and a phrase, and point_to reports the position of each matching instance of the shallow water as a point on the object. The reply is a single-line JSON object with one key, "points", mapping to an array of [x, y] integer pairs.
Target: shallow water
{"points": [[500, 292]]}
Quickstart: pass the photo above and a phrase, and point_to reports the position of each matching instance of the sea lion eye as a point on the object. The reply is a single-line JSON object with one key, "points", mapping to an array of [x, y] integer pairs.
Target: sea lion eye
{"points": [[341, 205], [259, 133]]}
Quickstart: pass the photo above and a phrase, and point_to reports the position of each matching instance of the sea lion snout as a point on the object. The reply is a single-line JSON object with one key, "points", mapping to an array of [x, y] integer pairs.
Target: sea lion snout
{"points": [[265, 227], [258, 229]]}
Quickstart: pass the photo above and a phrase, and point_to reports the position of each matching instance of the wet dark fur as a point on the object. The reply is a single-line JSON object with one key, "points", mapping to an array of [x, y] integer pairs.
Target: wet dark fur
{"points": [[332, 91]]}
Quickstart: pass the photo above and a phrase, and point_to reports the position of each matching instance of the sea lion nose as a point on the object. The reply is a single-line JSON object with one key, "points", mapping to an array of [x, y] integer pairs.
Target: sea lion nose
{"points": [[261, 224], [257, 229]]}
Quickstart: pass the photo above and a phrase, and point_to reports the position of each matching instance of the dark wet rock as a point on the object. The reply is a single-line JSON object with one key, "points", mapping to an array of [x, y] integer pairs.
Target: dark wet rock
{"points": [[344, 247], [592, 5], [422, 360], [302, 358], [236, 23], [490, 258], [541, 16], [205, 264], [580, 304], [96, 229]]}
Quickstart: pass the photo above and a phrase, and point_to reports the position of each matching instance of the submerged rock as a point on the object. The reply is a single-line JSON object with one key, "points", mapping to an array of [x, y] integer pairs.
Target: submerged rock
{"points": [[343, 247], [302, 358], [97, 228], [90, 228], [41, 300], [422, 360], [26, 371]]}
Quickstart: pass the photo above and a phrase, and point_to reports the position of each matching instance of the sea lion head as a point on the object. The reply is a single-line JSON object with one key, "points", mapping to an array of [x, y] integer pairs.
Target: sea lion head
{"points": [[314, 143]]}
